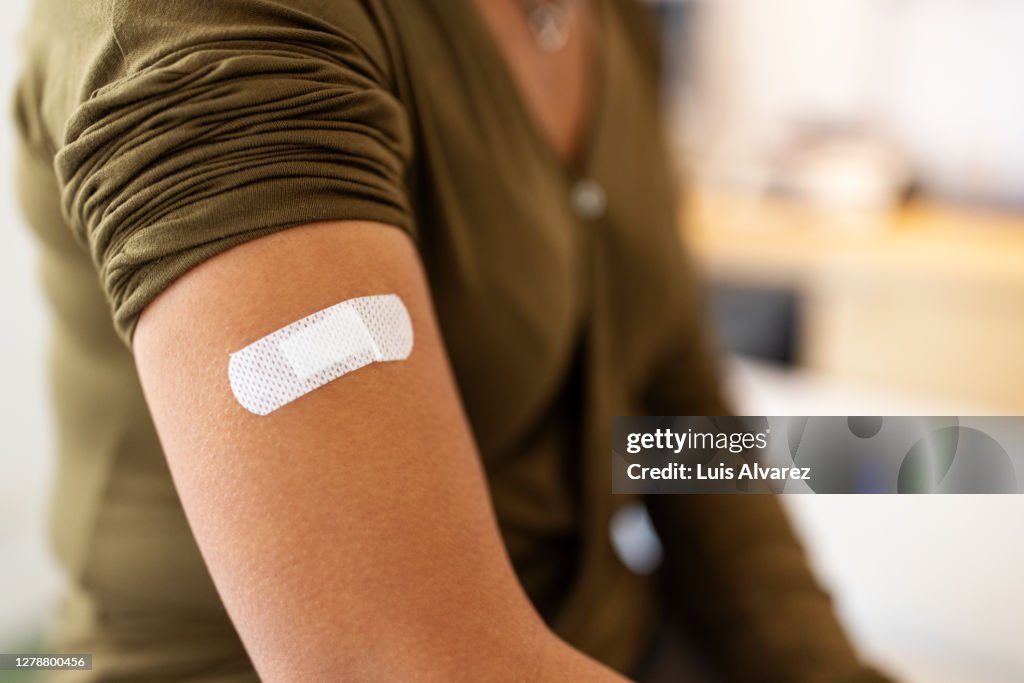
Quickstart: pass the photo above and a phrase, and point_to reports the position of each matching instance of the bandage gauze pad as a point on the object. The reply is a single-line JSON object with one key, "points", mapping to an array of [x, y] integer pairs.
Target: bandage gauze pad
{"points": [[318, 349]]}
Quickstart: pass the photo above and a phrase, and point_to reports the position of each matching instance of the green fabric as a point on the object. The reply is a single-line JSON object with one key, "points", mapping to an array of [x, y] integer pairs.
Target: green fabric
{"points": [[157, 134]]}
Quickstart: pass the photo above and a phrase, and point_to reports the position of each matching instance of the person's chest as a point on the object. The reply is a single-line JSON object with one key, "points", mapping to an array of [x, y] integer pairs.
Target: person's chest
{"points": [[524, 247], [552, 52]]}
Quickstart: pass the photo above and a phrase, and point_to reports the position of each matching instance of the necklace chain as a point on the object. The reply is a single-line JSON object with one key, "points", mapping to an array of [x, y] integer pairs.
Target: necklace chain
{"points": [[550, 22]]}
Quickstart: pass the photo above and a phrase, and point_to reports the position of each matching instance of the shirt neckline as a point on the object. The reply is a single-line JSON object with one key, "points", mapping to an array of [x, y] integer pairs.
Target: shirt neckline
{"points": [[575, 166]]}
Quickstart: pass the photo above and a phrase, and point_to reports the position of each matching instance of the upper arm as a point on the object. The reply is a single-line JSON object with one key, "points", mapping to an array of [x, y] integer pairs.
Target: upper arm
{"points": [[354, 520]]}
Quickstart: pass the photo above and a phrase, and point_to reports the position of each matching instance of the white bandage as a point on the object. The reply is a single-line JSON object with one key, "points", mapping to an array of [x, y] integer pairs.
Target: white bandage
{"points": [[318, 349]]}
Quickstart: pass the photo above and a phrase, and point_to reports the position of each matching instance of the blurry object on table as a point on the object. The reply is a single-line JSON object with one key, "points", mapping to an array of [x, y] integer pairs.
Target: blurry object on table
{"points": [[844, 169]]}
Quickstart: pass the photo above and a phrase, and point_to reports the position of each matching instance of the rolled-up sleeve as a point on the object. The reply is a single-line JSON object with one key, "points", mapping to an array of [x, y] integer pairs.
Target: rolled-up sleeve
{"points": [[221, 126]]}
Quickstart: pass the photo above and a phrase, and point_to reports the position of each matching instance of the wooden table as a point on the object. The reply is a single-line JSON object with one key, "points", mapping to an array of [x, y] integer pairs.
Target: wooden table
{"points": [[928, 299]]}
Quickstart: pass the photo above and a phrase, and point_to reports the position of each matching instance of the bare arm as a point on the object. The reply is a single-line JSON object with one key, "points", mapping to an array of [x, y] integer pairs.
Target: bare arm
{"points": [[349, 533]]}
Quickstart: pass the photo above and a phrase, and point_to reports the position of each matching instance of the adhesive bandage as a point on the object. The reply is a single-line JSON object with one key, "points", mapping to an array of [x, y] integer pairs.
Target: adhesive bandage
{"points": [[318, 349]]}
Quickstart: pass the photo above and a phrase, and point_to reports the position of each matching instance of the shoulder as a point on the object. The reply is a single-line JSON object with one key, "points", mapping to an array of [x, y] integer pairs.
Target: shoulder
{"points": [[191, 127], [148, 31], [104, 41]]}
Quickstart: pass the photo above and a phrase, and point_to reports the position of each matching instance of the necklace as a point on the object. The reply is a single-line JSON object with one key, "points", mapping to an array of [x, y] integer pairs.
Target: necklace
{"points": [[549, 22]]}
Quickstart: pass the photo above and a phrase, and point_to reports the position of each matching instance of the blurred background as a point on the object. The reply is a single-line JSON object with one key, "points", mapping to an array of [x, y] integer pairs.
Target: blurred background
{"points": [[854, 175], [855, 199]]}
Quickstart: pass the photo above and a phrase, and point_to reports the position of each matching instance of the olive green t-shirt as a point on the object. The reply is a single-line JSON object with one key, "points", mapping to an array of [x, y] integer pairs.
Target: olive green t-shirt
{"points": [[158, 134]]}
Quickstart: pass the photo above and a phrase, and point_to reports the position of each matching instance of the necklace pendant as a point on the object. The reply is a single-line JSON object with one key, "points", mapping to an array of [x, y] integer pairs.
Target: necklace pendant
{"points": [[549, 24]]}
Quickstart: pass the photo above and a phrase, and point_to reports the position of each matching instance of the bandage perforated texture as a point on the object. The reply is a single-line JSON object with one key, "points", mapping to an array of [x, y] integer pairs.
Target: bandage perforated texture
{"points": [[305, 355]]}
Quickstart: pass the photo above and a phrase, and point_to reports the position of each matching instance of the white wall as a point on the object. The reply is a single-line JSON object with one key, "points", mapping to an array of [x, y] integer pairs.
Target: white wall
{"points": [[940, 76], [953, 94]]}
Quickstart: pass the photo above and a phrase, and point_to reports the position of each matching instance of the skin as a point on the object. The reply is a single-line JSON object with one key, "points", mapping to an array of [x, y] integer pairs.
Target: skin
{"points": [[350, 533]]}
